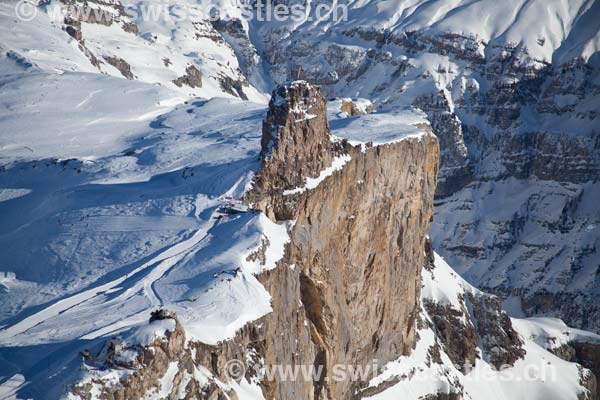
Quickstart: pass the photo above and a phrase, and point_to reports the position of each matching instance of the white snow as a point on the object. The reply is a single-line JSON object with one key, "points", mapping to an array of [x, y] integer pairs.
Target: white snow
{"points": [[246, 390], [201, 273], [311, 183], [165, 384], [277, 237], [162, 51], [10, 194], [75, 115], [9, 388], [146, 334], [443, 285], [551, 333], [540, 375], [384, 127], [132, 225]]}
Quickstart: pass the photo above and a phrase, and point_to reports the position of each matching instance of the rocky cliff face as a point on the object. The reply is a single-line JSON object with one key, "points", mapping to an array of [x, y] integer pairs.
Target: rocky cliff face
{"points": [[356, 245], [455, 172], [530, 146], [505, 118], [347, 290], [473, 327]]}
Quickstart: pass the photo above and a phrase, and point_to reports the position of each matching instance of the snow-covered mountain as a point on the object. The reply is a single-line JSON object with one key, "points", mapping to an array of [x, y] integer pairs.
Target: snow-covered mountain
{"points": [[514, 103], [97, 243], [436, 365], [128, 147], [511, 90]]}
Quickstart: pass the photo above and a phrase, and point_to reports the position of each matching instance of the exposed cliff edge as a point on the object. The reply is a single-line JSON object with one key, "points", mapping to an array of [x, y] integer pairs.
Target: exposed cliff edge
{"points": [[347, 290], [358, 238], [358, 285]]}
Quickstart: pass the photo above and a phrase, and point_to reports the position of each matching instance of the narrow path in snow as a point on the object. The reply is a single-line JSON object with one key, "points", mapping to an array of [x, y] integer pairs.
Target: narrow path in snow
{"points": [[162, 262]]}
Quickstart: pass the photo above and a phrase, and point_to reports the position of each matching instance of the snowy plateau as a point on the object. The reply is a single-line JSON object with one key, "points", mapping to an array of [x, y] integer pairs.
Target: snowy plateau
{"points": [[415, 185]]}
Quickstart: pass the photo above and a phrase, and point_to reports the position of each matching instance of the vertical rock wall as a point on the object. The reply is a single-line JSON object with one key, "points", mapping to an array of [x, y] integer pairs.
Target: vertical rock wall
{"points": [[347, 290]]}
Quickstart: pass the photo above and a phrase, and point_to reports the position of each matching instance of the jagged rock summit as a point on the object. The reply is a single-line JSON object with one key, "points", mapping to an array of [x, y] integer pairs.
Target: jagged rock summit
{"points": [[346, 291], [340, 275], [296, 145]]}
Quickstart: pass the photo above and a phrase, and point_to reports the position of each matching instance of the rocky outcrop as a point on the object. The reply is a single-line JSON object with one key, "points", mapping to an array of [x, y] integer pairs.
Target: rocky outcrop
{"points": [[457, 334], [191, 78], [455, 171], [475, 327], [347, 290], [356, 108], [233, 87], [358, 289], [498, 340], [120, 64], [586, 354], [232, 31], [486, 327], [295, 145], [146, 364]]}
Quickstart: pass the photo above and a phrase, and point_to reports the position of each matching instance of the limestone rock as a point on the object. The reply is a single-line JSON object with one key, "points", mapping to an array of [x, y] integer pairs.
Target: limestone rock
{"points": [[357, 246], [356, 108], [295, 145], [192, 78], [120, 64]]}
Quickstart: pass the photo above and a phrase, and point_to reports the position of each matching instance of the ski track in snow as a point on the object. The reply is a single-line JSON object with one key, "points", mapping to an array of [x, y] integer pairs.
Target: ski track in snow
{"points": [[162, 263], [109, 231]]}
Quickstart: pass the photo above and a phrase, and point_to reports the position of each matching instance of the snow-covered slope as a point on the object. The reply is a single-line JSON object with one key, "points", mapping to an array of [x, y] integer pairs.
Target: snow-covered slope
{"points": [[148, 41], [75, 115], [119, 187], [183, 55], [119, 212], [430, 371], [132, 206]]}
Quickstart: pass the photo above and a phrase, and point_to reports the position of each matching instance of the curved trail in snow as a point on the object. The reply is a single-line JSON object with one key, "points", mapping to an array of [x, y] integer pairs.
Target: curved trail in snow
{"points": [[162, 263]]}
